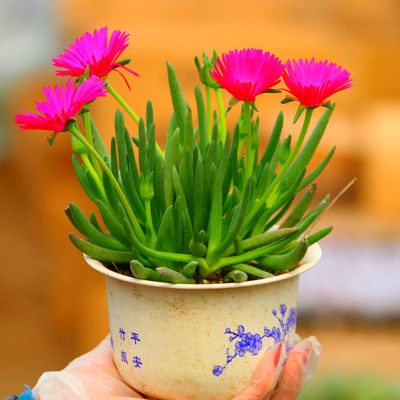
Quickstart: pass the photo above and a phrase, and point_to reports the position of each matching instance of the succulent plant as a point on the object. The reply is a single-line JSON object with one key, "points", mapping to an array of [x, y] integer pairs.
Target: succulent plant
{"points": [[211, 207], [196, 215]]}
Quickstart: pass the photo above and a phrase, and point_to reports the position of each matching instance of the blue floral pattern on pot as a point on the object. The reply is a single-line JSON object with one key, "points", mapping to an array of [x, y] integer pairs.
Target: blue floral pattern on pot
{"points": [[246, 342]]}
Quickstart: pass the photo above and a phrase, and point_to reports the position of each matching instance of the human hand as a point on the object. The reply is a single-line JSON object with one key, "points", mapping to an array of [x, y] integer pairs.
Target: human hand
{"points": [[94, 376], [275, 379]]}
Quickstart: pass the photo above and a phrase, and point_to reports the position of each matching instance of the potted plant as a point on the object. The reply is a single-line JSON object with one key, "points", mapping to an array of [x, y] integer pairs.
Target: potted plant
{"points": [[202, 242]]}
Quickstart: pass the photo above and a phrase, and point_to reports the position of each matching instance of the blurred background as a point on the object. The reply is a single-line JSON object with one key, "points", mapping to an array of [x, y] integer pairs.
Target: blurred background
{"points": [[53, 307]]}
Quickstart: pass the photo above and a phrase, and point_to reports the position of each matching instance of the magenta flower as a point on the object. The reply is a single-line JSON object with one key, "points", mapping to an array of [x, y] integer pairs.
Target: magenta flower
{"points": [[63, 103], [96, 52], [247, 73], [311, 83]]}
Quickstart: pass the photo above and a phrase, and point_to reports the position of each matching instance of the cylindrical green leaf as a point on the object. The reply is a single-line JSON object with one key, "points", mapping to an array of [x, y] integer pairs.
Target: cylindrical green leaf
{"points": [[178, 101], [174, 276], [139, 271], [300, 208], [285, 261], [236, 276], [101, 253]]}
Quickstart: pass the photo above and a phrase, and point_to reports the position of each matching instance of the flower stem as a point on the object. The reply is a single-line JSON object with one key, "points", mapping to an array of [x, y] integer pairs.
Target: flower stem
{"points": [[296, 148], [92, 172], [249, 143], [121, 101], [292, 156], [129, 110], [209, 113], [269, 194], [88, 127], [222, 117], [149, 218], [89, 136], [74, 131]]}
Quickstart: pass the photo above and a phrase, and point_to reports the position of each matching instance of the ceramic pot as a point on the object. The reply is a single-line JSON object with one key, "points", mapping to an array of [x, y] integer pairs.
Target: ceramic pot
{"points": [[198, 342]]}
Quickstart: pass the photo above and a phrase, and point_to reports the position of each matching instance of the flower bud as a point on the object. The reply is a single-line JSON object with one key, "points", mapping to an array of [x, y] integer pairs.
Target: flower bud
{"points": [[146, 187], [77, 146], [204, 70]]}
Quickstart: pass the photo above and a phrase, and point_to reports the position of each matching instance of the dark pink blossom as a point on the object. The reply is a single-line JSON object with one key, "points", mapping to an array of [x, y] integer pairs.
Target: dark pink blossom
{"points": [[94, 51], [247, 73], [311, 83], [63, 103]]}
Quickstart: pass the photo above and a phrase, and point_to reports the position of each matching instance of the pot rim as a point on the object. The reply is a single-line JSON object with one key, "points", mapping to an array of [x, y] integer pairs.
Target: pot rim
{"points": [[311, 258]]}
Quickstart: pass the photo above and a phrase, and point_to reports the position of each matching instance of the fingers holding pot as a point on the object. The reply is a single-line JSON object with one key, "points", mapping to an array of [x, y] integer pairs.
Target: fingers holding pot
{"points": [[299, 368], [266, 375]]}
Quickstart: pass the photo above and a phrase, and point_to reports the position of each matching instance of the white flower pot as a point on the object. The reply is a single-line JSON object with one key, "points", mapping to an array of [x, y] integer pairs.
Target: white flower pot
{"points": [[198, 342]]}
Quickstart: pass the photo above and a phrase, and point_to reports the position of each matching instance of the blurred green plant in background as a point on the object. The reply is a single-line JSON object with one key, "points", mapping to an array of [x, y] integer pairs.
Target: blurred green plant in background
{"points": [[350, 387]]}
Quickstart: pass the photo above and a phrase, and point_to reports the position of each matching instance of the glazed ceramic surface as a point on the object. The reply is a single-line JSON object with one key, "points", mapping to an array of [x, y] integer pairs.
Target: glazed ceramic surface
{"points": [[198, 342]]}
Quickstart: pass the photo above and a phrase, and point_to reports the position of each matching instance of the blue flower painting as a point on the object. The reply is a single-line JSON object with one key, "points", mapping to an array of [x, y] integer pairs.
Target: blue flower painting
{"points": [[247, 342]]}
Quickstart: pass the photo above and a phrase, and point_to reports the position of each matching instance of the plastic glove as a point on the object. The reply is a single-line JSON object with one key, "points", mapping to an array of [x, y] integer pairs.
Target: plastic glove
{"points": [[275, 379], [94, 376]]}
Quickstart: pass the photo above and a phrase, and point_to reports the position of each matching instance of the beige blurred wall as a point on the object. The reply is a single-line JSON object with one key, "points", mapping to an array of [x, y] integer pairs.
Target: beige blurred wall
{"points": [[44, 283]]}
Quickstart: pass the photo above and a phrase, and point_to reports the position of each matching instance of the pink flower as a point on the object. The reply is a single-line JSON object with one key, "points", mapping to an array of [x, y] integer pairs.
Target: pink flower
{"points": [[93, 51], [63, 103], [247, 73], [313, 82]]}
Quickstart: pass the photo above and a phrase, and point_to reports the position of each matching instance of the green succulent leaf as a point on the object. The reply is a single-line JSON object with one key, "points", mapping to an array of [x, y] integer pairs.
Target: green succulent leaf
{"points": [[300, 209], [273, 141], [309, 148], [112, 223], [252, 270], [308, 179], [173, 276], [149, 114], [199, 207], [101, 253], [80, 172], [202, 118], [285, 261], [91, 232], [263, 239], [139, 271], [236, 276], [178, 101], [94, 222], [189, 270]]}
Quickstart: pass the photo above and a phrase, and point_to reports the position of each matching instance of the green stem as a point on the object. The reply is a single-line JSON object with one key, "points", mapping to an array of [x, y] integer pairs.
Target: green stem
{"points": [[129, 110], [292, 156], [269, 194], [89, 136], [121, 101], [164, 255], [241, 258], [296, 148], [74, 131], [94, 174], [209, 113], [249, 143], [88, 127], [150, 220], [222, 117]]}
